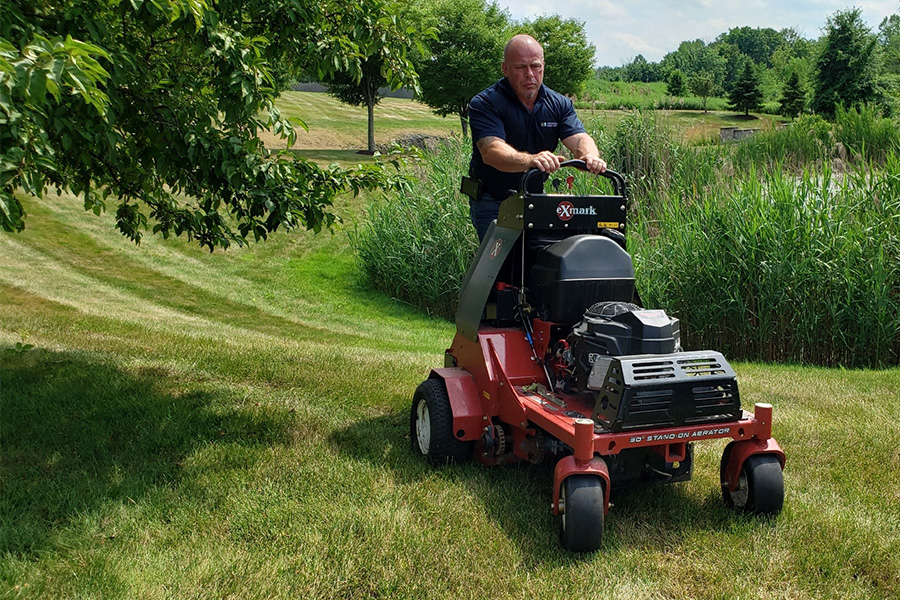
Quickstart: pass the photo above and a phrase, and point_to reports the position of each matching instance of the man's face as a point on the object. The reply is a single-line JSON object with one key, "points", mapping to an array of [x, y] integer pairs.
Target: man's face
{"points": [[524, 68]]}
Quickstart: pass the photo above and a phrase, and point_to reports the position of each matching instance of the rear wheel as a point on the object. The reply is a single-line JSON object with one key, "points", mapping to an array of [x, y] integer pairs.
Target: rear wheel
{"points": [[582, 505], [760, 487], [431, 425]]}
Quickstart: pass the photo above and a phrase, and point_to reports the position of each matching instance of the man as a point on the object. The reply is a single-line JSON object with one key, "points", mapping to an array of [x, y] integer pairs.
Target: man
{"points": [[517, 124]]}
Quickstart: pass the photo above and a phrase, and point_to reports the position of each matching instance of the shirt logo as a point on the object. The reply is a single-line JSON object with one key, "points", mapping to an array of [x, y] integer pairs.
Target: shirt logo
{"points": [[549, 124]]}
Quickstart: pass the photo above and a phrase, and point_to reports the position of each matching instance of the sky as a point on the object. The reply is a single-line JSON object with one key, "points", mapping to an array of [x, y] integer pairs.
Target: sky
{"points": [[622, 30]]}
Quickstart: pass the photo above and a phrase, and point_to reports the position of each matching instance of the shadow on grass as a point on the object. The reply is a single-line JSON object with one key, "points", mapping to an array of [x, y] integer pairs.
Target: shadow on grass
{"points": [[517, 497], [79, 433], [740, 117]]}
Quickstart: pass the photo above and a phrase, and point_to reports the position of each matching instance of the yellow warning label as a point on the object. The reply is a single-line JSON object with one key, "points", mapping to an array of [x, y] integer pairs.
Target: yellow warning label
{"points": [[485, 394], [607, 225]]}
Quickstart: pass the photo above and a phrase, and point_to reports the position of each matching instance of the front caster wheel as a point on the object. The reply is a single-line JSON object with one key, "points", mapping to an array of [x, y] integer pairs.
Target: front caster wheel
{"points": [[431, 425], [581, 506], [760, 486]]}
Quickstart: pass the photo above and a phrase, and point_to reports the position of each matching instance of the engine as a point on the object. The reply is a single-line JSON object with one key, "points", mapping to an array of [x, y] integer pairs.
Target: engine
{"points": [[628, 358], [631, 361], [610, 329]]}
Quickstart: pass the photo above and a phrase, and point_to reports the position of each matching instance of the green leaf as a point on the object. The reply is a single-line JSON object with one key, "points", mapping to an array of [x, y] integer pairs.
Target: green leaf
{"points": [[37, 87]]}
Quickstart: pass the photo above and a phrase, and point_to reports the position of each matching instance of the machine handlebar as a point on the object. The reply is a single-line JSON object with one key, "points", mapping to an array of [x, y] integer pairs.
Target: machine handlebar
{"points": [[616, 178]]}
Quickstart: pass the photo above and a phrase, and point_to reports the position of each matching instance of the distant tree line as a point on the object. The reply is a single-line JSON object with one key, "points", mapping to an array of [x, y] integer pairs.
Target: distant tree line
{"points": [[461, 46], [849, 65]]}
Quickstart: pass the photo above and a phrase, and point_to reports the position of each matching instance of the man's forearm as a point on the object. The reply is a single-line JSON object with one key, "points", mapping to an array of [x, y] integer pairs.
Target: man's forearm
{"points": [[503, 157], [581, 145]]}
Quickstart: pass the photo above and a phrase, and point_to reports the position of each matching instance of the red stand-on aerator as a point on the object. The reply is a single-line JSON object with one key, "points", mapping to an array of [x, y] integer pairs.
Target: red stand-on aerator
{"points": [[554, 357]]}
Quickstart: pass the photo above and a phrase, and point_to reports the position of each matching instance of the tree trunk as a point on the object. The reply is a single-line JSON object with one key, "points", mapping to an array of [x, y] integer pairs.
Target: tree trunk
{"points": [[464, 119], [370, 104]]}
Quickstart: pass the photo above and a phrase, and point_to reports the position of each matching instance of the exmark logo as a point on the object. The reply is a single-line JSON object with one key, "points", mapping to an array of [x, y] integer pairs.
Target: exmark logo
{"points": [[496, 248], [565, 210]]}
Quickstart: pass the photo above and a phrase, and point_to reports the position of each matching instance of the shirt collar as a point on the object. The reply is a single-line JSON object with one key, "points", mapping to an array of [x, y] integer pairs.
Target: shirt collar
{"points": [[508, 90]]}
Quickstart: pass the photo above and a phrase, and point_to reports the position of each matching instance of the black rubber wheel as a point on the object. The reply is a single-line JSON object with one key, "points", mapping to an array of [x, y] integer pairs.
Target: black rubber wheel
{"points": [[723, 464], [760, 485], [581, 509], [431, 425]]}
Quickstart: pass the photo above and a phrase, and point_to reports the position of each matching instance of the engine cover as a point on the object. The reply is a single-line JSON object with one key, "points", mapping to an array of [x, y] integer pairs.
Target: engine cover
{"points": [[568, 275], [683, 388]]}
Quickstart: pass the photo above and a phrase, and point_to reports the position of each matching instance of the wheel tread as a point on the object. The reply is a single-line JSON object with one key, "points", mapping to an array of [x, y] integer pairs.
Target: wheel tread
{"points": [[581, 528], [444, 447]]}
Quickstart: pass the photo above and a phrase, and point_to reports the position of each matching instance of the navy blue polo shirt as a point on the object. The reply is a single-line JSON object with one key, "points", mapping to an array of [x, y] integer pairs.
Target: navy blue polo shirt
{"points": [[498, 112]]}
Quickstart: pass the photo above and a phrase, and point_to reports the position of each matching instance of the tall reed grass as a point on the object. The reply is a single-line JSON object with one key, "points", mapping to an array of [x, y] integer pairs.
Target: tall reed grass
{"points": [[855, 136], [416, 245], [782, 267], [784, 247]]}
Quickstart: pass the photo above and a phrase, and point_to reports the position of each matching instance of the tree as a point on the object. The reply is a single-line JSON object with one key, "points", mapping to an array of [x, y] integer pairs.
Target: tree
{"points": [[846, 66], [675, 84], [756, 43], [465, 57], [786, 63], [707, 69], [793, 97], [684, 59], [703, 84], [733, 61], [746, 95], [889, 39], [641, 70], [158, 104], [696, 58], [382, 40], [607, 73], [568, 56]]}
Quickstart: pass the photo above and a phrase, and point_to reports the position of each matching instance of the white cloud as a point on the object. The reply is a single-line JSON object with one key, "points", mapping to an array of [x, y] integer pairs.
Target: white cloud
{"points": [[630, 45]]}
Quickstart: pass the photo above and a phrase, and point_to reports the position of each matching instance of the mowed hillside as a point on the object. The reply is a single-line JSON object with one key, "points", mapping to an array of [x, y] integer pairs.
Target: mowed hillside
{"points": [[183, 424]]}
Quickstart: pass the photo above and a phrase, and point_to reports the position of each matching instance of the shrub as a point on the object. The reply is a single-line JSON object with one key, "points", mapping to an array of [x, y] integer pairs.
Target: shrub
{"points": [[805, 141], [865, 134]]}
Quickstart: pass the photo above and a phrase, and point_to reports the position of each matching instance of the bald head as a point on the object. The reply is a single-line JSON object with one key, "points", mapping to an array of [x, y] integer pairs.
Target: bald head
{"points": [[522, 42]]}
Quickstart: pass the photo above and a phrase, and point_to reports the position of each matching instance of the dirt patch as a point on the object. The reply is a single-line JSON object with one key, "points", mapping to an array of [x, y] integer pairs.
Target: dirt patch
{"points": [[423, 141], [323, 139]]}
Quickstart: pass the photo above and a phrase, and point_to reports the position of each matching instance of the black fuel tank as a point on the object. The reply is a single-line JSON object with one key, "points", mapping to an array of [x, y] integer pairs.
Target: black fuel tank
{"points": [[571, 275]]}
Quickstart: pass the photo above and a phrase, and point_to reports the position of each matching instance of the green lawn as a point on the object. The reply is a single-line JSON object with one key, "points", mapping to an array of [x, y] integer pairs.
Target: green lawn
{"points": [[337, 131], [235, 424], [333, 125]]}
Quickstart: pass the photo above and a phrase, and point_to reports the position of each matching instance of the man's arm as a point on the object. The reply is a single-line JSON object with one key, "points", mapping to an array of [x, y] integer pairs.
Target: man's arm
{"points": [[503, 157], [583, 147]]}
